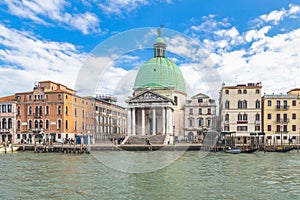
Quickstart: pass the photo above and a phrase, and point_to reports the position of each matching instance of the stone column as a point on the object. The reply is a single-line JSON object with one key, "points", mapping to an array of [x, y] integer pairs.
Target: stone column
{"points": [[163, 113], [154, 121], [129, 121], [143, 121], [133, 122], [170, 119]]}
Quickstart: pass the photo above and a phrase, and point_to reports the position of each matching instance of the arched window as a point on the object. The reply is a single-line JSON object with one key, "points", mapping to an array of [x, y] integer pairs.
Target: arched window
{"points": [[200, 122], [257, 104], [256, 91], [29, 124], [41, 111], [240, 117], [9, 123], [19, 111], [4, 123], [67, 111], [239, 91], [244, 104], [227, 117], [18, 125], [208, 122], [240, 104], [36, 124], [257, 117], [30, 110], [59, 124], [59, 110], [227, 104], [245, 117], [41, 123], [47, 110], [36, 111], [191, 122], [67, 125], [245, 91], [47, 124]]}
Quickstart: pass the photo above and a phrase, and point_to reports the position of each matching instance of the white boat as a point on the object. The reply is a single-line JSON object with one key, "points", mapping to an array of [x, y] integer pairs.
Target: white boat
{"points": [[233, 150], [8, 149]]}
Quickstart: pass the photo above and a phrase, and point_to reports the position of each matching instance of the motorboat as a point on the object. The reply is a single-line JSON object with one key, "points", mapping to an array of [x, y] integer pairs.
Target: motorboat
{"points": [[8, 149], [232, 150]]}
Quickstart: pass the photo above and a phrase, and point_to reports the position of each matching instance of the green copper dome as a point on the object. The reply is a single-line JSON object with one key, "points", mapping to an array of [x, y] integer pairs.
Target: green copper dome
{"points": [[159, 40], [159, 73]]}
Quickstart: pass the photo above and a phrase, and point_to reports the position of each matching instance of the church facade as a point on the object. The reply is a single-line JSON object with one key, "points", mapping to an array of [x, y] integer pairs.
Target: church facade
{"points": [[159, 94]]}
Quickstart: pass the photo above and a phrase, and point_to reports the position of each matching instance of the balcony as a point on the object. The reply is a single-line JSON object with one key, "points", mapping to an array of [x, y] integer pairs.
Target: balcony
{"points": [[284, 107], [37, 116], [282, 121], [242, 122]]}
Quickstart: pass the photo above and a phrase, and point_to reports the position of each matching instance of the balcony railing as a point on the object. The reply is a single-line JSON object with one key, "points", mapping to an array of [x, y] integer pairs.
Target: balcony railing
{"points": [[284, 107], [242, 122], [282, 121]]}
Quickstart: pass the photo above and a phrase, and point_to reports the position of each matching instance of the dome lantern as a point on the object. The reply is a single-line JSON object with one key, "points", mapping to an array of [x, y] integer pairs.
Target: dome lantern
{"points": [[159, 45]]}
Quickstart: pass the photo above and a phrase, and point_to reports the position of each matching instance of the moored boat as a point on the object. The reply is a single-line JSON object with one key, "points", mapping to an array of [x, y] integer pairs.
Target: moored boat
{"points": [[8, 149], [249, 150], [232, 150]]}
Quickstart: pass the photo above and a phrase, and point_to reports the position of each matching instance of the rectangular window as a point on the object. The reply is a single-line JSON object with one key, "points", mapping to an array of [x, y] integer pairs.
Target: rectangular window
{"points": [[242, 128], [294, 128], [226, 128], [257, 128], [278, 117], [285, 128], [269, 116], [208, 111], [277, 104], [269, 127], [278, 128], [200, 111], [9, 108], [269, 103], [294, 103], [200, 100], [191, 111], [294, 116], [4, 108]]}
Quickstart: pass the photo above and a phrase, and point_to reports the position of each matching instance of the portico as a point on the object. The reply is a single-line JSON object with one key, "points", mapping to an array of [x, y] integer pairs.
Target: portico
{"points": [[150, 113]]}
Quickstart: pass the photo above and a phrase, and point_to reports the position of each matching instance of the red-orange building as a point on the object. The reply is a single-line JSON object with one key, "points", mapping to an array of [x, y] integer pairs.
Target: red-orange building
{"points": [[57, 112]]}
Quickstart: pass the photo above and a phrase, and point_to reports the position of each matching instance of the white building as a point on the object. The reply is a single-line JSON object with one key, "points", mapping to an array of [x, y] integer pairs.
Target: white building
{"points": [[240, 109], [8, 114], [200, 116]]}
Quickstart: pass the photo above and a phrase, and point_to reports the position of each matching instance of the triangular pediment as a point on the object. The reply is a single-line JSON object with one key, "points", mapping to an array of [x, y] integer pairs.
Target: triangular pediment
{"points": [[149, 96], [199, 95]]}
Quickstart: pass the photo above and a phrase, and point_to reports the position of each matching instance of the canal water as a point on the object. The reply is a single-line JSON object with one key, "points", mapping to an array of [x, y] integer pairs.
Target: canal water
{"points": [[25, 175]]}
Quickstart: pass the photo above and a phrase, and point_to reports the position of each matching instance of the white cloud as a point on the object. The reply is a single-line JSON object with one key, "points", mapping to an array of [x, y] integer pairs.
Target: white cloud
{"points": [[256, 54], [119, 7], [54, 10], [276, 16], [26, 59]]}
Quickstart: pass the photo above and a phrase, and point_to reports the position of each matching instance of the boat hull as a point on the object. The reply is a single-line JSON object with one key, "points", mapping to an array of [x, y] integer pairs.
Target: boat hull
{"points": [[233, 151]]}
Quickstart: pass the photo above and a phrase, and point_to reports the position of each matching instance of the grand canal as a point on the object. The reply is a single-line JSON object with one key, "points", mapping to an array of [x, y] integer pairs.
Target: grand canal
{"points": [[215, 176]]}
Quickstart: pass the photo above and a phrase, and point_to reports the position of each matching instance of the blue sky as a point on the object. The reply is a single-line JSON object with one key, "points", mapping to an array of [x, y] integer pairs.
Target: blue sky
{"points": [[247, 41]]}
